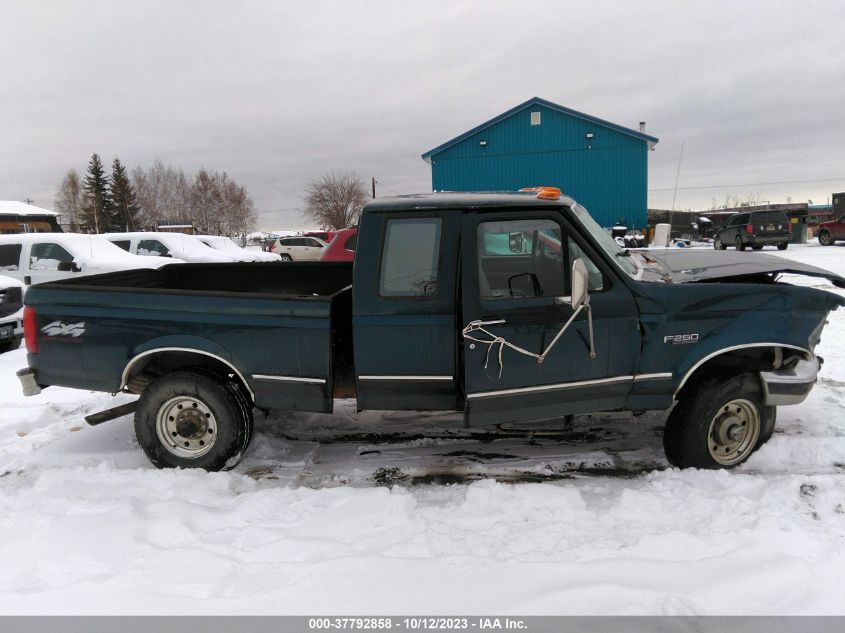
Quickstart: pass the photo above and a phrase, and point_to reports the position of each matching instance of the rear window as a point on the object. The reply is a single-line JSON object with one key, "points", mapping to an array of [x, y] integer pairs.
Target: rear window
{"points": [[778, 217], [10, 257]]}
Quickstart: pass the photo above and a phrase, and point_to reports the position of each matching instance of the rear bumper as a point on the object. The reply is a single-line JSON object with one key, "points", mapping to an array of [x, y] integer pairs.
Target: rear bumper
{"points": [[763, 240], [790, 386], [28, 383]]}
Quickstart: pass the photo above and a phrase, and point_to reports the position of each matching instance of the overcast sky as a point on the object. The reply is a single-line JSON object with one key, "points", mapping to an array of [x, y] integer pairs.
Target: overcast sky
{"points": [[277, 93]]}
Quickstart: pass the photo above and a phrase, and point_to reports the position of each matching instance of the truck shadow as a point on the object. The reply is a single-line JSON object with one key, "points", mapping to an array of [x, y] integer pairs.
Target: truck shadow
{"points": [[425, 449]]}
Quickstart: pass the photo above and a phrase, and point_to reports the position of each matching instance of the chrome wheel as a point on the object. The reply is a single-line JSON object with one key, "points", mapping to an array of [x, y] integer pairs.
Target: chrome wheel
{"points": [[186, 427], [717, 244], [734, 431]]}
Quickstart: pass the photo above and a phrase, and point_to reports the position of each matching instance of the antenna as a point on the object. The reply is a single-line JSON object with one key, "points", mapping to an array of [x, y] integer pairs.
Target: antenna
{"points": [[677, 176]]}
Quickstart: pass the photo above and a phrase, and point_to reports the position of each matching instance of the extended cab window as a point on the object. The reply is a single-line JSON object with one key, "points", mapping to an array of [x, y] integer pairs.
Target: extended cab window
{"points": [[124, 244], [409, 257], [10, 257], [152, 247], [47, 256]]}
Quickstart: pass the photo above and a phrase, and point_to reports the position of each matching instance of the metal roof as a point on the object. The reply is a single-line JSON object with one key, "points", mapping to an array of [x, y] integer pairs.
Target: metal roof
{"points": [[463, 200], [651, 140]]}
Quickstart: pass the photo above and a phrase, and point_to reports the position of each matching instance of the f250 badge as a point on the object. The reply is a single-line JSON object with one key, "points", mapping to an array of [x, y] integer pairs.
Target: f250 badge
{"points": [[57, 328], [681, 339]]}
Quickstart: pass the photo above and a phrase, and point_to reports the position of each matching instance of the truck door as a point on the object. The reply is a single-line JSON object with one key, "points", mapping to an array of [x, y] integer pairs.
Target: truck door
{"points": [[404, 325], [514, 267]]}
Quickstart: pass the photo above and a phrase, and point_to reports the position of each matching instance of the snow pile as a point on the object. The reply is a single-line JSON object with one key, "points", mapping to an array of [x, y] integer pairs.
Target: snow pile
{"points": [[400, 513]]}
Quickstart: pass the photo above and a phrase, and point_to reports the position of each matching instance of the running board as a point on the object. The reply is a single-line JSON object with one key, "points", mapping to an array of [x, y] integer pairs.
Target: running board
{"points": [[110, 414]]}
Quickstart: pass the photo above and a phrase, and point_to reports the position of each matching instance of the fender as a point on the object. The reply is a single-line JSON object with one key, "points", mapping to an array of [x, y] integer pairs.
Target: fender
{"points": [[187, 344]]}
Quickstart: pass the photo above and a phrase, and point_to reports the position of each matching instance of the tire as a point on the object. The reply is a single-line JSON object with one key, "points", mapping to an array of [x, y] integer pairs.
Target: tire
{"points": [[13, 343], [738, 243], [757, 247], [782, 247], [718, 424], [719, 245], [286, 257], [193, 419], [826, 238]]}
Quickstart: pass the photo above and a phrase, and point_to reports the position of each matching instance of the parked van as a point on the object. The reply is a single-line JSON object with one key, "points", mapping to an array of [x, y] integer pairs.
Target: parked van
{"points": [[755, 229], [225, 245], [184, 247], [33, 258]]}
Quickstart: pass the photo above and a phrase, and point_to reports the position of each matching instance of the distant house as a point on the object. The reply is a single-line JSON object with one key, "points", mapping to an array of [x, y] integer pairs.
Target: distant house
{"points": [[20, 217], [604, 166]]}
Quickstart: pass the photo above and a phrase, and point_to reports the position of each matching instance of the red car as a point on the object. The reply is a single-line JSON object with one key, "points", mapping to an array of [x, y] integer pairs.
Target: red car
{"points": [[831, 231], [342, 247]]}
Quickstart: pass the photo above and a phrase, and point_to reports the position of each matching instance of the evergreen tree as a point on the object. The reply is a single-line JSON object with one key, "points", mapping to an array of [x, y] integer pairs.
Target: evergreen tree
{"points": [[96, 216], [124, 215]]}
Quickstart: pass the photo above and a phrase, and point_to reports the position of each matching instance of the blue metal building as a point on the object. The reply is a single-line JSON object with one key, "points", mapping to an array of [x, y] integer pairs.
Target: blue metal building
{"points": [[602, 165]]}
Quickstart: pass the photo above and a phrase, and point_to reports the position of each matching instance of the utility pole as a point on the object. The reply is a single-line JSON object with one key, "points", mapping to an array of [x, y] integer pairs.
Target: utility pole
{"points": [[30, 200], [374, 187]]}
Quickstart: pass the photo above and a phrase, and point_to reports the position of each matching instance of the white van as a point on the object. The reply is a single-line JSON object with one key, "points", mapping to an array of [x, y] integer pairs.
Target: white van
{"points": [[224, 244], [34, 258], [185, 247]]}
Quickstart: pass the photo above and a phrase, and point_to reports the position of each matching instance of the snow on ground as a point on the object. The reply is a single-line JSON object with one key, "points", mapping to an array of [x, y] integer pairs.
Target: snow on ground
{"points": [[402, 513]]}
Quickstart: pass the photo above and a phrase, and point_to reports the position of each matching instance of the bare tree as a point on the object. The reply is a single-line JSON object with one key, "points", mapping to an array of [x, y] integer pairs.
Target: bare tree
{"points": [[335, 200], [69, 199]]}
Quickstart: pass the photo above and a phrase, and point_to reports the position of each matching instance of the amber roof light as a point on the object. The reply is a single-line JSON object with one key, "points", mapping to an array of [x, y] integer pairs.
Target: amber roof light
{"points": [[545, 193]]}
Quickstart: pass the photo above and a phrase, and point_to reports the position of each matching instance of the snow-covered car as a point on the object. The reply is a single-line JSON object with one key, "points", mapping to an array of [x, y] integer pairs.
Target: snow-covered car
{"points": [[225, 245], [33, 258], [184, 247], [11, 313]]}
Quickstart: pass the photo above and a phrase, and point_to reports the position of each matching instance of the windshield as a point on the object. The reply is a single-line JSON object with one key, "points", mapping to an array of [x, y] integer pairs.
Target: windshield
{"points": [[604, 239]]}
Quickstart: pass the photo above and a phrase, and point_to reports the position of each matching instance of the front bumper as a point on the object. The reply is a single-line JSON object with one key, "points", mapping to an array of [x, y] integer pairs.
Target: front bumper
{"points": [[790, 386]]}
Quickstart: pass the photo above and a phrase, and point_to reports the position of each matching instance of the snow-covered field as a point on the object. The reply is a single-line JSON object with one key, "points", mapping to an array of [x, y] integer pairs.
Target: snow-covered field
{"points": [[404, 513]]}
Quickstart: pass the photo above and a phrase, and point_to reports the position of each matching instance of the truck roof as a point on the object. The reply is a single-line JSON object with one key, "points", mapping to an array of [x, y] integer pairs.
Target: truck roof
{"points": [[464, 200]]}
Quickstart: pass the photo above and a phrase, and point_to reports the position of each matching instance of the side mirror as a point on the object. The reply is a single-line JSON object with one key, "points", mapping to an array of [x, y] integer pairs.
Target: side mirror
{"points": [[580, 284], [515, 242], [68, 267]]}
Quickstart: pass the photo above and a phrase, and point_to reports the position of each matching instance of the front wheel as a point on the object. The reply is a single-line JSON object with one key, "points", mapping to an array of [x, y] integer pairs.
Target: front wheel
{"points": [[286, 258], [826, 238], [782, 247], [189, 419], [719, 245], [718, 424], [738, 243]]}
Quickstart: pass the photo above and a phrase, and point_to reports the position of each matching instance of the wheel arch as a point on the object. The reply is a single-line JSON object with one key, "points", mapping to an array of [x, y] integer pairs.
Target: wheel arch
{"points": [[161, 360], [738, 357]]}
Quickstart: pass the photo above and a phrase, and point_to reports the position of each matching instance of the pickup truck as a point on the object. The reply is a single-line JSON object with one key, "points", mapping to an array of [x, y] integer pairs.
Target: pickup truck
{"points": [[505, 306]]}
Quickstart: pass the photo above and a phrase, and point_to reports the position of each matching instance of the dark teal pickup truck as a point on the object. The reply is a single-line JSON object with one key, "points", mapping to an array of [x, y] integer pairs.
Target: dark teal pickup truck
{"points": [[506, 306]]}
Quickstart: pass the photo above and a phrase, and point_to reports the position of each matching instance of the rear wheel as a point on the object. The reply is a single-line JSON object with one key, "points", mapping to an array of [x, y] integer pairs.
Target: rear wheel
{"points": [[738, 243], [826, 238], [782, 247], [718, 424], [189, 419]]}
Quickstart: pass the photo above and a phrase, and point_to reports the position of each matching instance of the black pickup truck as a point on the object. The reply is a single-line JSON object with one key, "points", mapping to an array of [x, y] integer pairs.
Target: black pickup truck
{"points": [[506, 306]]}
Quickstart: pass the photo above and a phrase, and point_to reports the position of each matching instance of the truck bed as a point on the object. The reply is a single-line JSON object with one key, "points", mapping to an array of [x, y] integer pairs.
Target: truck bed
{"points": [[285, 328]]}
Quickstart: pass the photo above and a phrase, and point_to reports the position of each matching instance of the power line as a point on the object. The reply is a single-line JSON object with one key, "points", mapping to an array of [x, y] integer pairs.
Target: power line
{"points": [[752, 184]]}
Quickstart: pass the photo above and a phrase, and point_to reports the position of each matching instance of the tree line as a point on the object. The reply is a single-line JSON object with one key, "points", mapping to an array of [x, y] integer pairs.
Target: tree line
{"points": [[145, 199]]}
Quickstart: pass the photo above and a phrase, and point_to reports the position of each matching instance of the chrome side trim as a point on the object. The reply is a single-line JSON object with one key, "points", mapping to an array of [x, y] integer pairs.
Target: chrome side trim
{"points": [[563, 385], [724, 350], [665, 376], [124, 378], [315, 381], [405, 378]]}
